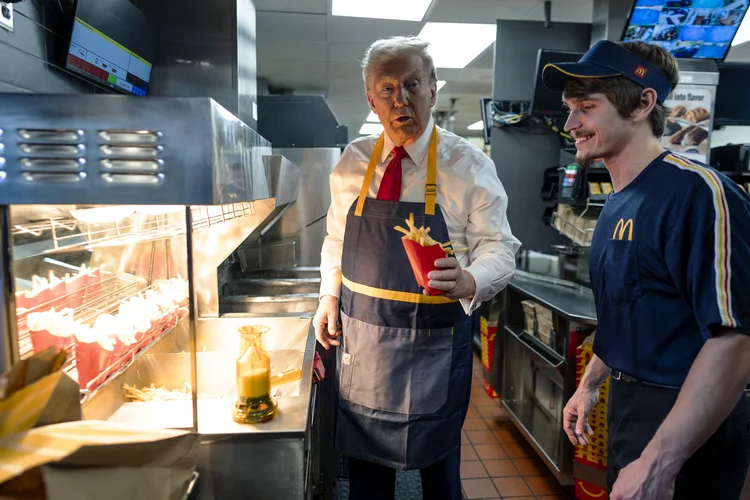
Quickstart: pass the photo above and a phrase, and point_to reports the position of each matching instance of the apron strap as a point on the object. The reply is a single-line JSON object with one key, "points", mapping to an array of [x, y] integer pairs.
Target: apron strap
{"points": [[430, 190], [369, 175]]}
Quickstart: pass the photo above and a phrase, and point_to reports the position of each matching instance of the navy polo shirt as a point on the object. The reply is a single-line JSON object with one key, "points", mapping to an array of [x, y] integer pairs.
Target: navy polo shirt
{"points": [[670, 267]]}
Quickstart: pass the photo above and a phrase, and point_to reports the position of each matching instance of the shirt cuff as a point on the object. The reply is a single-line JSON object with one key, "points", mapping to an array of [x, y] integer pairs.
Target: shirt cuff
{"points": [[330, 286], [482, 291]]}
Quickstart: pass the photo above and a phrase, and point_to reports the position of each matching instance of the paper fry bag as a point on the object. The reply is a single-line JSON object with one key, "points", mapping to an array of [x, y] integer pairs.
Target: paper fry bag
{"points": [[37, 392], [422, 260], [101, 460]]}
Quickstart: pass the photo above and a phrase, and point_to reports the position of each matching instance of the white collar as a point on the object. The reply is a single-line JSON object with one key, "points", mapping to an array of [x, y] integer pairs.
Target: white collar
{"points": [[417, 150]]}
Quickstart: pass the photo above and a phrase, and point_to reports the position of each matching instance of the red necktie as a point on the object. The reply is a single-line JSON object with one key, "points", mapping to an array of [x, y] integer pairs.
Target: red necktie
{"points": [[390, 186]]}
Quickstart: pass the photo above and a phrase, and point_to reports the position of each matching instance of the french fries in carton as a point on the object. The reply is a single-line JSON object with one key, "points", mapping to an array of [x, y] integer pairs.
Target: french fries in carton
{"points": [[423, 251]]}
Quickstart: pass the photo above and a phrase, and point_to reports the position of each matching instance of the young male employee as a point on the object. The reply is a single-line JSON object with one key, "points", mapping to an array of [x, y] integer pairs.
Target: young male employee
{"points": [[670, 271]]}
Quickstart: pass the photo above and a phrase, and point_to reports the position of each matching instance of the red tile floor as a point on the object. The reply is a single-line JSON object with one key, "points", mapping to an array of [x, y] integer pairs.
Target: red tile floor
{"points": [[496, 462]]}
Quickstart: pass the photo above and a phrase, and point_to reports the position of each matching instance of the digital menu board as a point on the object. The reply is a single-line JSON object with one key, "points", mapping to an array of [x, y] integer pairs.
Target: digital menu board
{"points": [[97, 55], [688, 29], [113, 43]]}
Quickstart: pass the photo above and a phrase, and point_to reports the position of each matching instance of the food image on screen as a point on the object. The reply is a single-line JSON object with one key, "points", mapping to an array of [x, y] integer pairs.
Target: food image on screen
{"points": [[727, 17], [673, 16], [688, 29], [685, 50], [665, 33], [639, 33]]}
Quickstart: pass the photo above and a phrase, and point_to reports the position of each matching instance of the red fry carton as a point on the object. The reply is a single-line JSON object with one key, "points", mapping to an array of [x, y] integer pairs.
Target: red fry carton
{"points": [[422, 260]]}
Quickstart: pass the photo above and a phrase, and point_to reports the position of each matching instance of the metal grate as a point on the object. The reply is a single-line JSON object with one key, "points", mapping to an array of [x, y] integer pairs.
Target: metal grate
{"points": [[87, 303], [99, 298], [72, 234]]}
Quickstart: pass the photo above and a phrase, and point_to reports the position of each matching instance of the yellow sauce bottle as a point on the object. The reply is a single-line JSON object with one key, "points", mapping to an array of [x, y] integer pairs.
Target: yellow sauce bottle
{"points": [[254, 402]]}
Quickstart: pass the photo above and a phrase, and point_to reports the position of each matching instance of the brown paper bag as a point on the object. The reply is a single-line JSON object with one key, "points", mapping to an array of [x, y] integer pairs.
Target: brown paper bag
{"points": [[159, 470], [97, 460], [37, 392]]}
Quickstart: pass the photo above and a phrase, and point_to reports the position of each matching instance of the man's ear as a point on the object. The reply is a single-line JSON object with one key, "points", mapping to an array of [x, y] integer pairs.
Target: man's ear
{"points": [[433, 94], [647, 103], [370, 101]]}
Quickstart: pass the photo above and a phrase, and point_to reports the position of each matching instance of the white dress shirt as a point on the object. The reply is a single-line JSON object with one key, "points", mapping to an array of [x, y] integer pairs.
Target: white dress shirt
{"points": [[469, 193]]}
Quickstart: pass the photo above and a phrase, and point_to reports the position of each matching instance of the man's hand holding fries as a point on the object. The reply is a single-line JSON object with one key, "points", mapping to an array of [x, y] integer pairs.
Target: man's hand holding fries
{"points": [[454, 282], [449, 277], [421, 235]]}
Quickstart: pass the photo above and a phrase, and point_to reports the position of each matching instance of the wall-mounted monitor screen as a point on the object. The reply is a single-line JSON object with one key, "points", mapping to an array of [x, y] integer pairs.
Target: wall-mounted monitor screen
{"points": [[114, 44], [732, 99], [546, 102], [688, 29]]}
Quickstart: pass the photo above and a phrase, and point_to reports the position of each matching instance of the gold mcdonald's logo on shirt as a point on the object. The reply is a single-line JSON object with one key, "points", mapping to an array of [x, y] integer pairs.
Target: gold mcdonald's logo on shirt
{"points": [[621, 226]]}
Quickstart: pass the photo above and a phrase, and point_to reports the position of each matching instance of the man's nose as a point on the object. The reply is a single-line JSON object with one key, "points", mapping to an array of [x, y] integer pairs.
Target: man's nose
{"points": [[400, 97], [572, 122]]}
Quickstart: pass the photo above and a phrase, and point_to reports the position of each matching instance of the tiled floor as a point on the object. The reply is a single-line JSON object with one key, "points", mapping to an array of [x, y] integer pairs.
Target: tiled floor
{"points": [[496, 462]]}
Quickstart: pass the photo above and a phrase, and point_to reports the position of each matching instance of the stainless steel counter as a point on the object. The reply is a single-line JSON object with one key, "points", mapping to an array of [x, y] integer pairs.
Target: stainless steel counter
{"points": [[269, 461], [567, 299], [537, 377]]}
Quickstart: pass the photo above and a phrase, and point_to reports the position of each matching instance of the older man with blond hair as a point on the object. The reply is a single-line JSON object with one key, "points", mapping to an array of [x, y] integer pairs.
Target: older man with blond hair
{"points": [[404, 356]]}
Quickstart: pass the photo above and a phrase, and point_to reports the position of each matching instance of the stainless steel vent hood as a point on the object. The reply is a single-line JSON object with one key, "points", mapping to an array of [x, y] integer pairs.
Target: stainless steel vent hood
{"points": [[206, 49], [123, 150]]}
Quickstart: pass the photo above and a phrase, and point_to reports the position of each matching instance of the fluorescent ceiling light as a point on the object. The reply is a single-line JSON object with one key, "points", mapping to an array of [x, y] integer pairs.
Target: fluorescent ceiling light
{"points": [[454, 45], [397, 10], [371, 129], [743, 33], [476, 126]]}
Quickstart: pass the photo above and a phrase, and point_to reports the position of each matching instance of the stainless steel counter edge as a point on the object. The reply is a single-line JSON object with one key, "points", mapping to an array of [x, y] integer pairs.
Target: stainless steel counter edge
{"points": [[567, 299]]}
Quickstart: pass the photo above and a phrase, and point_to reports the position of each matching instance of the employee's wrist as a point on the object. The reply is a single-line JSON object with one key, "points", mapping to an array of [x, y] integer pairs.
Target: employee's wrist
{"points": [[663, 457], [589, 383], [327, 298]]}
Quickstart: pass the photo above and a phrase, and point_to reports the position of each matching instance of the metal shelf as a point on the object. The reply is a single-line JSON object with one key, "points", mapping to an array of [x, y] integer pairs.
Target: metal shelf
{"points": [[582, 237], [100, 298], [68, 234], [87, 302], [536, 346]]}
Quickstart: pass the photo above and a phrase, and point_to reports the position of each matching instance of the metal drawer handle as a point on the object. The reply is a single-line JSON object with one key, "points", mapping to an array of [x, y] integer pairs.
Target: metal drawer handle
{"points": [[554, 363]]}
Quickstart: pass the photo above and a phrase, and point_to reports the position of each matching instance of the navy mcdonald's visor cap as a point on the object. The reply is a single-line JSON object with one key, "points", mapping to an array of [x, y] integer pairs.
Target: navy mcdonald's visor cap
{"points": [[605, 60]]}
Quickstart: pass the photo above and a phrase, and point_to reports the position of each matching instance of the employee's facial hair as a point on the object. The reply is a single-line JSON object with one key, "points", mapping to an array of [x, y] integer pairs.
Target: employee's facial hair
{"points": [[584, 161]]}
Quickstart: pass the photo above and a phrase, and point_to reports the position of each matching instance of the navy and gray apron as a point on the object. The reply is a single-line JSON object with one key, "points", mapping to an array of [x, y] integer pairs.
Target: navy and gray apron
{"points": [[404, 364]]}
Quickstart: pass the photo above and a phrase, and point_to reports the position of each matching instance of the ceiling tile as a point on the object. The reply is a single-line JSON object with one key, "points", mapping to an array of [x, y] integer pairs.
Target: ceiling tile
{"points": [[366, 31], [273, 27], [739, 53], [480, 11], [292, 51], [348, 52]]}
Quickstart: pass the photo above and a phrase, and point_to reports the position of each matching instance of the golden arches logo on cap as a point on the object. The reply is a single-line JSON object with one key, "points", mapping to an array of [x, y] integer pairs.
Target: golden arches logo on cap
{"points": [[640, 71]]}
